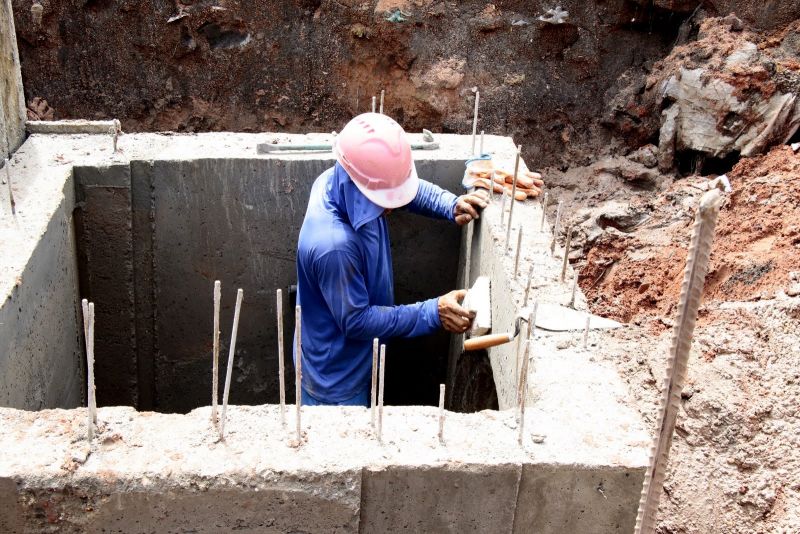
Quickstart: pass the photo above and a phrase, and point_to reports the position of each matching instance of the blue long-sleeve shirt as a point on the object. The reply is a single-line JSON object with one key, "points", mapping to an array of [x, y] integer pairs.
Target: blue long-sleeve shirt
{"points": [[345, 284]]}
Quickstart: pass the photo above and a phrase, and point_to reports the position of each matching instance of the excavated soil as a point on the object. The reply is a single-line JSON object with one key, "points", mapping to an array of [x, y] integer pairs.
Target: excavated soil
{"points": [[638, 275]]}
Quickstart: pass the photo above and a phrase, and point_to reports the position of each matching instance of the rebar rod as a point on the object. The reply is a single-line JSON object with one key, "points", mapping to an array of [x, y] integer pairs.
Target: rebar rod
{"points": [[544, 211], [691, 296], [88, 332], [475, 119], [555, 227], [517, 255], [481, 149], [441, 414], [298, 369], [374, 392], [10, 191], [574, 290], [528, 287], [217, 295], [586, 332], [522, 392], [229, 371], [380, 392], [281, 363], [382, 94], [513, 196], [566, 253], [373, 104]]}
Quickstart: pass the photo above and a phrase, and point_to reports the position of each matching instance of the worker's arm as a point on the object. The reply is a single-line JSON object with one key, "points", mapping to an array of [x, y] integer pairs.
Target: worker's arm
{"points": [[342, 285], [433, 201]]}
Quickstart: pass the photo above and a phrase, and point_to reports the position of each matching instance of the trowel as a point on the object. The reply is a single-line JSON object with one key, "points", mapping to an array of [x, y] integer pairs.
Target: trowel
{"points": [[551, 317]]}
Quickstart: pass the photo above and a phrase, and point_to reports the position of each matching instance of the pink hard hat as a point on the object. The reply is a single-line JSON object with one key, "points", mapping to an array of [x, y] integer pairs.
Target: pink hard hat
{"points": [[375, 152]]}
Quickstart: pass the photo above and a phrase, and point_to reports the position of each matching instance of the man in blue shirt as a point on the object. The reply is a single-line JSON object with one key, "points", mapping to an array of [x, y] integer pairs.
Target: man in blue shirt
{"points": [[344, 264]]}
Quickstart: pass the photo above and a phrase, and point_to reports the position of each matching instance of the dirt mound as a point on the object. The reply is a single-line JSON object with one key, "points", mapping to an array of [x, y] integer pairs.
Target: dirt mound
{"points": [[632, 276]]}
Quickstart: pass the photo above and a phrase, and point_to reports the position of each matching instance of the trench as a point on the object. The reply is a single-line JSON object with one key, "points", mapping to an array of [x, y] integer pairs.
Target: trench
{"points": [[154, 235]]}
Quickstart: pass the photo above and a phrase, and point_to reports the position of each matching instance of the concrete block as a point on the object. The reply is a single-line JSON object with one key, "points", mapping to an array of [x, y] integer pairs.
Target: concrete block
{"points": [[447, 498], [575, 498]]}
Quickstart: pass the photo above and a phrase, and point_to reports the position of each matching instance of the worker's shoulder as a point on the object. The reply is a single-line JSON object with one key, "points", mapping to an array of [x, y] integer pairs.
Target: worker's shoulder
{"points": [[330, 237]]}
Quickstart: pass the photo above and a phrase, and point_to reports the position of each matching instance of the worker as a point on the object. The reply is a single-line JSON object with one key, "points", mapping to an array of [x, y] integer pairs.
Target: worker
{"points": [[345, 282]]}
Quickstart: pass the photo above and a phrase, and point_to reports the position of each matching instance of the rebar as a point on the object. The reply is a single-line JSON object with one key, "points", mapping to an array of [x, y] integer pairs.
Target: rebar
{"points": [[522, 391], [215, 353], [528, 287], [441, 414], [380, 392], [481, 149], [373, 396], [516, 256], [566, 253], [574, 290], [503, 206], [298, 368], [586, 332], [544, 211], [229, 371], [91, 402], [691, 296], [373, 104], [281, 363], [513, 195], [382, 94], [555, 227], [10, 191], [475, 119]]}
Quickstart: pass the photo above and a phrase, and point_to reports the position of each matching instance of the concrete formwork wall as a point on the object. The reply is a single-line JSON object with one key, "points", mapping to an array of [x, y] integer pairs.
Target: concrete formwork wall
{"points": [[156, 234], [12, 98], [41, 349], [171, 474]]}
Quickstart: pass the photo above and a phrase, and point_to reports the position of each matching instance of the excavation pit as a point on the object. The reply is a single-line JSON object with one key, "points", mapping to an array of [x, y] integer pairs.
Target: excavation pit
{"points": [[144, 232]]}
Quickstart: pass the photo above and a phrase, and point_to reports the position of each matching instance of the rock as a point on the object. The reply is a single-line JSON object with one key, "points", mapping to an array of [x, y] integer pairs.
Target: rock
{"points": [[733, 22], [635, 173], [646, 155]]}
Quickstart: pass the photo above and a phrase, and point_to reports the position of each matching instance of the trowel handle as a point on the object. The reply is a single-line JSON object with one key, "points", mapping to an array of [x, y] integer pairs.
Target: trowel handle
{"points": [[484, 342]]}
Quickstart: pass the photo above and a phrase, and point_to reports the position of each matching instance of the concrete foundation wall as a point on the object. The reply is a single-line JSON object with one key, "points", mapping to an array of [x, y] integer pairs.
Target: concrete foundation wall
{"points": [[41, 363], [167, 472], [12, 98]]}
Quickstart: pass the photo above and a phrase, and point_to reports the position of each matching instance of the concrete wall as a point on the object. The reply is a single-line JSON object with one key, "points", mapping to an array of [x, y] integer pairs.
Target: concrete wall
{"points": [[12, 99], [41, 363], [169, 473], [156, 234]]}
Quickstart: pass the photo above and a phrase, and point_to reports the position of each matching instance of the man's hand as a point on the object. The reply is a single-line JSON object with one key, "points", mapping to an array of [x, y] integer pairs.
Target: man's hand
{"points": [[453, 317], [469, 206]]}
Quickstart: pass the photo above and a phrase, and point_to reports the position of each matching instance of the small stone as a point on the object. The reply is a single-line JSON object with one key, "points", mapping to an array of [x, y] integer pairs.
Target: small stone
{"points": [[537, 438], [687, 392]]}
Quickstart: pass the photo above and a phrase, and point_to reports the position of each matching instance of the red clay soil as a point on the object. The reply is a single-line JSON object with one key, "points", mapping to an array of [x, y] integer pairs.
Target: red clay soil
{"points": [[634, 276]]}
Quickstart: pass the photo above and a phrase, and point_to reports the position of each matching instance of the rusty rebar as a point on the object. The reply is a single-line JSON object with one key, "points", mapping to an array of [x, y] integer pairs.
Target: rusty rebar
{"points": [[374, 392], [380, 392], [555, 227], [217, 295], [298, 369], [281, 363], [475, 120], [522, 391], [691, 296], [566, 253], [229, 370], [441, 414], [513, 195]]}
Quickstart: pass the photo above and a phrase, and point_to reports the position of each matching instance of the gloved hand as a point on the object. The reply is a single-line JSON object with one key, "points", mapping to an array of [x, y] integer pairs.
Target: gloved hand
{"points": [[453, 317], [469, 206]]}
